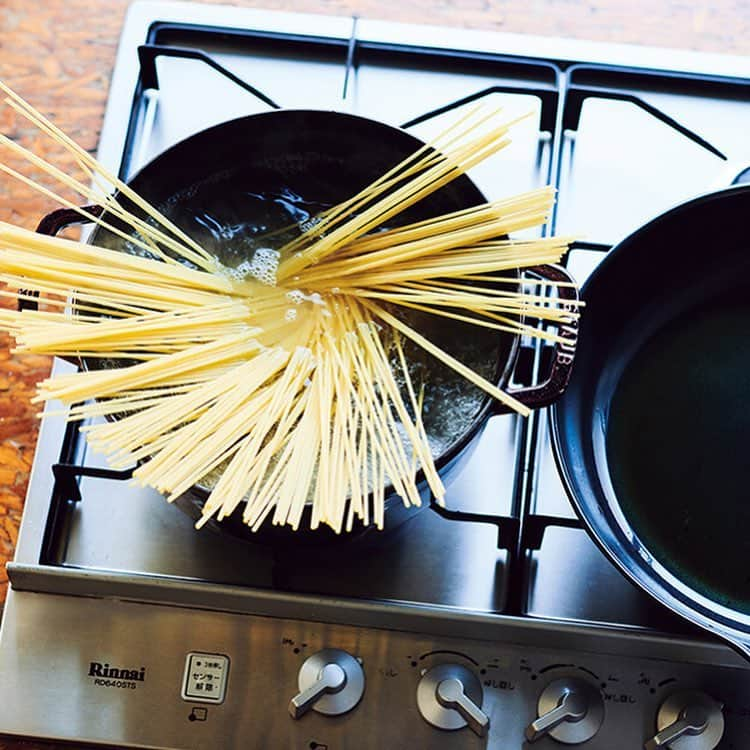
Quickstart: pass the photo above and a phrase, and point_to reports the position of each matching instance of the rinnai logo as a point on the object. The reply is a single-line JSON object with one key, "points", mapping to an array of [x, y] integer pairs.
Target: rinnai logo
{"points": [[119, 677]]}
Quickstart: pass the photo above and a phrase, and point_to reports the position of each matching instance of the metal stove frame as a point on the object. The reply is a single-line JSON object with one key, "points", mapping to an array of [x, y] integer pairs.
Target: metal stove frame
{"points": [[563, 75]]}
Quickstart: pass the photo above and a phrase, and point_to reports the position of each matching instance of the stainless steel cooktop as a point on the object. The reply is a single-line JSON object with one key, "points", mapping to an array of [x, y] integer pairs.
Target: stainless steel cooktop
{"points": [[126, 626]]}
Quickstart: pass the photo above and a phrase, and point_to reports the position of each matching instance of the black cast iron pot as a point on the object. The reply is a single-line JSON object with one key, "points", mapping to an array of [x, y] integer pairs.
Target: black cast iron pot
{"points": [[289, 164], [652, 436]]}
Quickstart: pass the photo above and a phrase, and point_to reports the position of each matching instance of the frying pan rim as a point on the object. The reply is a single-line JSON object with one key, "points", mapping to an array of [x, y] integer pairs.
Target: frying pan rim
{"points": [[643, 574]]}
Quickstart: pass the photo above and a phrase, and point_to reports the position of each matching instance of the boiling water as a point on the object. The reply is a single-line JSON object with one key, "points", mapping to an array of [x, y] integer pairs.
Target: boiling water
{"points": [[234, 222], [677, 444]]}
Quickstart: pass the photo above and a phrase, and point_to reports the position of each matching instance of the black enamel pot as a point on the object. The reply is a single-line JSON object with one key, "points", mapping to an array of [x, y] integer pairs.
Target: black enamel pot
{"points": [[288, 165], [652, 434]]}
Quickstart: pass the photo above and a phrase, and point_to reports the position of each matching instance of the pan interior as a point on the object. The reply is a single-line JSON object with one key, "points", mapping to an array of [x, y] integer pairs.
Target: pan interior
{"points": [[677, 444]]}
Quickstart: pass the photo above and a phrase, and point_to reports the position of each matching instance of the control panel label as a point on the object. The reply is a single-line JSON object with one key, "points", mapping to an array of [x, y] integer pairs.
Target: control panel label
{"points": [[106, 676], [205, 678]]}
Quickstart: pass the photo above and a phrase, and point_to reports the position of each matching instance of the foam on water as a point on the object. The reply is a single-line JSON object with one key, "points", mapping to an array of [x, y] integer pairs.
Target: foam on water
{"points": [[264, 265]]}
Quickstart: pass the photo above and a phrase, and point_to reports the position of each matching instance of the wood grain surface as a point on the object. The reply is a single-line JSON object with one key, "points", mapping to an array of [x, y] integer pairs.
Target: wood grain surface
{"points": [[59, 54]]}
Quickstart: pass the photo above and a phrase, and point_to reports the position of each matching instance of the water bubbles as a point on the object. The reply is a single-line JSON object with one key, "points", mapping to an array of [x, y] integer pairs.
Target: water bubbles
{"points": [[312, 222], [264, 265], [244, 268], [297, 296], [290, 315]]}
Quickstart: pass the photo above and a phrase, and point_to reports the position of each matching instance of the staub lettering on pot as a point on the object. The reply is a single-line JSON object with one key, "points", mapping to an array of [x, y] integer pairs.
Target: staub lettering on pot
{"points": [[97, 669]]}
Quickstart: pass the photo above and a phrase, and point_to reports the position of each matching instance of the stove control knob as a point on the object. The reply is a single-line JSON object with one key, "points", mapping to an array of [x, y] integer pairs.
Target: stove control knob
{"points": [[330, 682], [450, 696], [688, 720], [571, 711]]}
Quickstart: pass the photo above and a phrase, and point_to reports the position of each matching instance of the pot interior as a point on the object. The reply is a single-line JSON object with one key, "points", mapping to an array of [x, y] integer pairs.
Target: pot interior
{"points": [[249, 183]]}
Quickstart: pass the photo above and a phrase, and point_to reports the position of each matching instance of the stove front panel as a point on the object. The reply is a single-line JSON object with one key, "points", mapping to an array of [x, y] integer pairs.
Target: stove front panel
{"points": [[60, 682]]}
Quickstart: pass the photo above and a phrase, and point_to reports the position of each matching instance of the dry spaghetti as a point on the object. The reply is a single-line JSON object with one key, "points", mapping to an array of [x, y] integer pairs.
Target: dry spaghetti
{"points": [[292, 383]]}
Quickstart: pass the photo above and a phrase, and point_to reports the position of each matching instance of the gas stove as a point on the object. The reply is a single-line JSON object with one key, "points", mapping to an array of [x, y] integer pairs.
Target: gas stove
{"points": [[496, 623]]}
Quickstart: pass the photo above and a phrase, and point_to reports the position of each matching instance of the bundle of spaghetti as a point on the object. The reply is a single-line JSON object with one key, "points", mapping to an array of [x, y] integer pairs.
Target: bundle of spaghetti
{"points": [[103, 280], [180, 367], [328, 458], [135, 337], [290, 385]]}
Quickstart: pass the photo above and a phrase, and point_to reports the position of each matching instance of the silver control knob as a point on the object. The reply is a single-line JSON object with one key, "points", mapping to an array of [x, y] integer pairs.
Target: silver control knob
{"points": [[450, 696], [571, 711], [330, 682], [688, 720]]}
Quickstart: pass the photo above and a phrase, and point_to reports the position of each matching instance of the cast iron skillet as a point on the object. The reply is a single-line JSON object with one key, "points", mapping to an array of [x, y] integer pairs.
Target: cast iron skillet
{"points": [[327, 156], [652, 434]]}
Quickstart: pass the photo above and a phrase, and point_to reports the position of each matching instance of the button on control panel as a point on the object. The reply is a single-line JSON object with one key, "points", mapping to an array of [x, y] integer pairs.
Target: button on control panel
{"points": [[449, 696], [205, 678], [331, 682]]}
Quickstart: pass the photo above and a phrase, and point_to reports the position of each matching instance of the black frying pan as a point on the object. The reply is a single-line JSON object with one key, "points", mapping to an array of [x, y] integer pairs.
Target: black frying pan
{"points": [[652, 435]]}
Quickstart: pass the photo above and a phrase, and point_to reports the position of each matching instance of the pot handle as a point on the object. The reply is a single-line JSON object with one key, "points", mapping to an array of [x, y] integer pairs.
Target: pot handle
{"points": [[53, 223], [563, 353]]}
